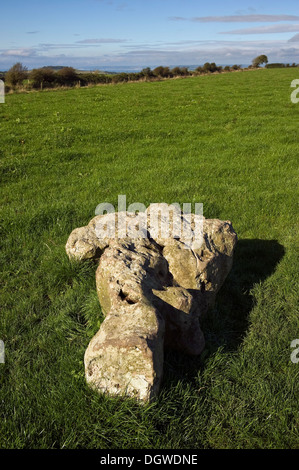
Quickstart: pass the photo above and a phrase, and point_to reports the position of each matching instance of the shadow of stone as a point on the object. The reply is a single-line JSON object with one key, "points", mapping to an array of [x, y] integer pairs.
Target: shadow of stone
{"points": [[226, 324]]}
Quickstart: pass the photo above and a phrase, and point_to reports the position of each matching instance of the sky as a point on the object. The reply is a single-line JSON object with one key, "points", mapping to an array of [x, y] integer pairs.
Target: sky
{"points": [[139, 33]]}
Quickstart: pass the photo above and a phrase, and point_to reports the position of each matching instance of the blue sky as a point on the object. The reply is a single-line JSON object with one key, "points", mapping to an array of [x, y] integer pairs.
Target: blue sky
{"points": [[140, 33]]}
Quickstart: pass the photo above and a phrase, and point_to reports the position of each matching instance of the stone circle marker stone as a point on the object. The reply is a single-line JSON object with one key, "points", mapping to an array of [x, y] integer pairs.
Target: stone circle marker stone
{"points": [[153, 291]]}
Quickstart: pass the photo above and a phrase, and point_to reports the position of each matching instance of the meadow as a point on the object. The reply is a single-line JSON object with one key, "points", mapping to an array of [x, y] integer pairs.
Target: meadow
{"points": [[229, 141]]}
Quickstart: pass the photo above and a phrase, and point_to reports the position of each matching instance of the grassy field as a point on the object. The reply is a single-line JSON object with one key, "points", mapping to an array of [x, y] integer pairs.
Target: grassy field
{"points": [[229, 141]]}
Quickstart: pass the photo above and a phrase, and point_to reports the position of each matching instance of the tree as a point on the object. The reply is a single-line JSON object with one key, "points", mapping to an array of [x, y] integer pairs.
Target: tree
{"points": [[259, 60], [42, 77], [67, 76], [16, 74], [162, 72], [206, 67], [120, 77], [146, 72], [180, 71]]}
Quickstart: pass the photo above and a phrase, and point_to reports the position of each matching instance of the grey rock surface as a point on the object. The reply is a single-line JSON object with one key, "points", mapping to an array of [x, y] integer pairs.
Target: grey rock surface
{"points": [[153, 290]]}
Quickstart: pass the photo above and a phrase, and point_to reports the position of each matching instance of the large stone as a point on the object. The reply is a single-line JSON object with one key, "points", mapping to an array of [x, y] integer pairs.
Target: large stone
{"points": [[153, 290], [126, 355]]}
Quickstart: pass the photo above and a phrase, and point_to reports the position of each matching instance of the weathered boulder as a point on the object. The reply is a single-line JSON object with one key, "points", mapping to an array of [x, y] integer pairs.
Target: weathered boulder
{"points": [[153, 288], [126, 355]]}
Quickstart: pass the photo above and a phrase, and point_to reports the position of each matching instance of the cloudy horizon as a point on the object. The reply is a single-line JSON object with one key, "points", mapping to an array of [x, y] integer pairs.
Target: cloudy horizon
{"points": [[112, 33]]}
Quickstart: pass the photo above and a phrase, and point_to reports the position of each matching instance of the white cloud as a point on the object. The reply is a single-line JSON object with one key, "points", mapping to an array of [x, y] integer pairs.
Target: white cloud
{"points": [[177, 18], [219, 52], [101, 41], [294, 38], [238, 18], [19, 53], [281, 28], [184, 52]]}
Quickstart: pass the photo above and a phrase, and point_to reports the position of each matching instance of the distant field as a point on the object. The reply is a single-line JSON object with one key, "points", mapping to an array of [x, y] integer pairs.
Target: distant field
{"points": [[230, 141]]}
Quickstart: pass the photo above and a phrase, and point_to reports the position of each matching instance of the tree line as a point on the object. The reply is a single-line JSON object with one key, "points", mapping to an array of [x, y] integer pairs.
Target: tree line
{"points": [[47, 77]]}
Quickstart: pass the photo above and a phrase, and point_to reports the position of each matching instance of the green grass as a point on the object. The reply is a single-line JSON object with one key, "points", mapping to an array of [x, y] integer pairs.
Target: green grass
{"points": [[229, 141]]}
